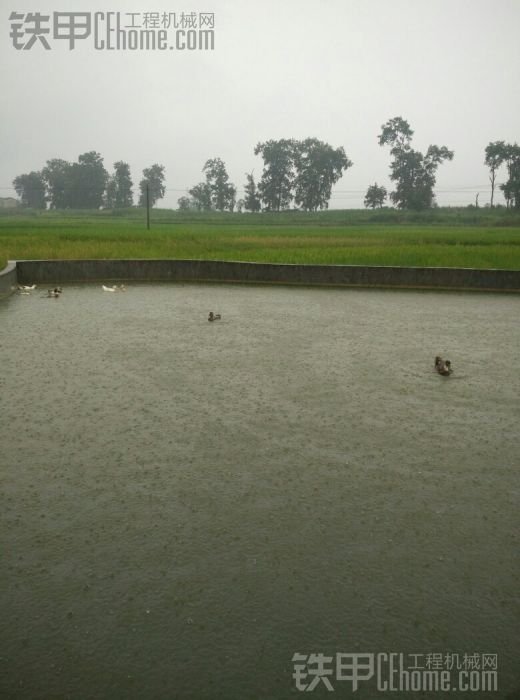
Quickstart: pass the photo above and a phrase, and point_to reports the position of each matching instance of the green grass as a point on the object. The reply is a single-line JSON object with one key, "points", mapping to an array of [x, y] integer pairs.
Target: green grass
{"points": [[437, 238]]}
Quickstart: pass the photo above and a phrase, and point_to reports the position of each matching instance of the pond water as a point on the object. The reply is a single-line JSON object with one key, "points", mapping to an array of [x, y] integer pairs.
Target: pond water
{"points": [[186, 505]]}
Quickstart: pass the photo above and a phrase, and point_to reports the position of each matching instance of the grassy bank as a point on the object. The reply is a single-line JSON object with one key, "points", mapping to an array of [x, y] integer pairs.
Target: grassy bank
{"points": [[441, 237]]}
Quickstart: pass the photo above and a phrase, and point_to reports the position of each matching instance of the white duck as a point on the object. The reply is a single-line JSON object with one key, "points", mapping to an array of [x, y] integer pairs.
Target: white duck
{"points": [[115, 288], [26, 287]]}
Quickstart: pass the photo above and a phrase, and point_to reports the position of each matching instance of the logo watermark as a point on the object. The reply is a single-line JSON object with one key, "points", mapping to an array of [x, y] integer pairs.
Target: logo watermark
{"points": [[394, 672], [114, 31]]}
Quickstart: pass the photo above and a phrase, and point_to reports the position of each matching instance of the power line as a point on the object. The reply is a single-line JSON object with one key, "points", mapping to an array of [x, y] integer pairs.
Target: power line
{"points": [[460, 190]]}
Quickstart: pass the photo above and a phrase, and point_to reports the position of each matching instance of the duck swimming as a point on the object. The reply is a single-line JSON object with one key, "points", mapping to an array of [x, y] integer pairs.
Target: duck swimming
{"points": [[214, 317], [443, 367], [115, 288], [26, 287]]}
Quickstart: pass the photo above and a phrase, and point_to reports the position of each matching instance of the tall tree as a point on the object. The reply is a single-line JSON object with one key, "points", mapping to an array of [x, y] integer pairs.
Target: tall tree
{"points": [[495, 156], [252, 199], [201, 195], [318, 166], [87, 182], [414, 173], [375, 196], [276, 184], [124, 197], [223, 192], [184, 203], [511, 188], [109, 198], [56, 175], [154, 178], [31, 190]]}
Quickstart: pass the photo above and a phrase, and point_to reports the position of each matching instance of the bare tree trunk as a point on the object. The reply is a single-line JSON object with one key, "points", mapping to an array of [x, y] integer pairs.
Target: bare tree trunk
{"points": [[492, 178]]}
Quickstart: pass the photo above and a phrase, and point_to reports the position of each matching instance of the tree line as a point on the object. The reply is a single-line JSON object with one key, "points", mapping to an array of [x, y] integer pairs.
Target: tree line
{"points": [[299, 171], [296, 173], [86, 184], [499, 153], [415, 173]]}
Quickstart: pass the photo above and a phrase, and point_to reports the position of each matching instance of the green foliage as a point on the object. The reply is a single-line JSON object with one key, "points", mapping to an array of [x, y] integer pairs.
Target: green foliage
{"points": [[123, 185], [375, 196], [223, 193], [201, 195], [511, 188], [56, 177], [301, 170], [184, 203], [88, 181], [76, 185], [278, 175], [31, 190], [81, 185], [216, 193], [397, 134], [252, 199], [413, 172], [109, 198], [495, 155], [318, 167], [153, 177]]}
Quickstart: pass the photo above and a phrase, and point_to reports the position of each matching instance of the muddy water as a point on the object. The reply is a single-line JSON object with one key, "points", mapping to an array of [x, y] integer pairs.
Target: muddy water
{"points": [[187, 504]]}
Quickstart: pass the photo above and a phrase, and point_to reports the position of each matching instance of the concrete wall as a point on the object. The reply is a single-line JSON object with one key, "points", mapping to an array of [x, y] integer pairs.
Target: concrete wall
{"points": [[8, 279], [56, 271]]}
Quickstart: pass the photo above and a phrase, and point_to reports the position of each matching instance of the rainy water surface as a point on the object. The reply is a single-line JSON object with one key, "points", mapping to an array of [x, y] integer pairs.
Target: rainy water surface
{"points": [[186, 505]]}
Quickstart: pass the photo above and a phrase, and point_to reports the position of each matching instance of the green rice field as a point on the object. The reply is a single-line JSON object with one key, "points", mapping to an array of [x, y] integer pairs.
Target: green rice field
{"points": [[436, 238]]}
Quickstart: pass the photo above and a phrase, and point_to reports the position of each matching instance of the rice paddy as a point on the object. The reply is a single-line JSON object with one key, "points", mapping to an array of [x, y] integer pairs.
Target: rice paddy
{"points": [[358, 238]]}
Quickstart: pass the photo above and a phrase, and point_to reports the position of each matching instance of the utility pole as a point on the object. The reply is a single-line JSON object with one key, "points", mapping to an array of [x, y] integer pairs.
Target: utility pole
{"points": [[147, 206]]}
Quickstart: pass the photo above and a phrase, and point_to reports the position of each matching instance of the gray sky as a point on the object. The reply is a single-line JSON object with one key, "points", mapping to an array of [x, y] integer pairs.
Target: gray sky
{"points": [[332, 69]]}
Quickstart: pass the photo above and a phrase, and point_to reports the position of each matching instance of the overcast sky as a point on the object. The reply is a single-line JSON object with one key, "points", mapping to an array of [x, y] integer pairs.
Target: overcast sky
{"points": [[331, 69]]}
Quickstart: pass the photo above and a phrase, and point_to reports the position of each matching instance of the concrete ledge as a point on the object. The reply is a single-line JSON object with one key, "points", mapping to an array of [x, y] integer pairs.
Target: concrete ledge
{"points": [[8, 278], [56, 271]]}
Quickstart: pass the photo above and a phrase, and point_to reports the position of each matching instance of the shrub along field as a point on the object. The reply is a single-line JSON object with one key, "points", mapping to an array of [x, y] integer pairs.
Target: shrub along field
{"points": [[469, 237]]}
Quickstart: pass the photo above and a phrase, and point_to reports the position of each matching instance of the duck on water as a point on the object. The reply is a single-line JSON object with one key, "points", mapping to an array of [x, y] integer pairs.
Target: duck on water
{"points": [[443, 367]]}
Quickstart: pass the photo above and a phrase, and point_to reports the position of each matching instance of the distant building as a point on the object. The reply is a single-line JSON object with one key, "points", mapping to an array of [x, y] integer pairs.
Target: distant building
{"points": [[8, 202]]}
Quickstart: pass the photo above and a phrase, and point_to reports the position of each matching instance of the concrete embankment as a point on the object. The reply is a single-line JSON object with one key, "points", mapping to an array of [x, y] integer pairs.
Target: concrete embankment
{"points": [[48, 271], [8, 279]]}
